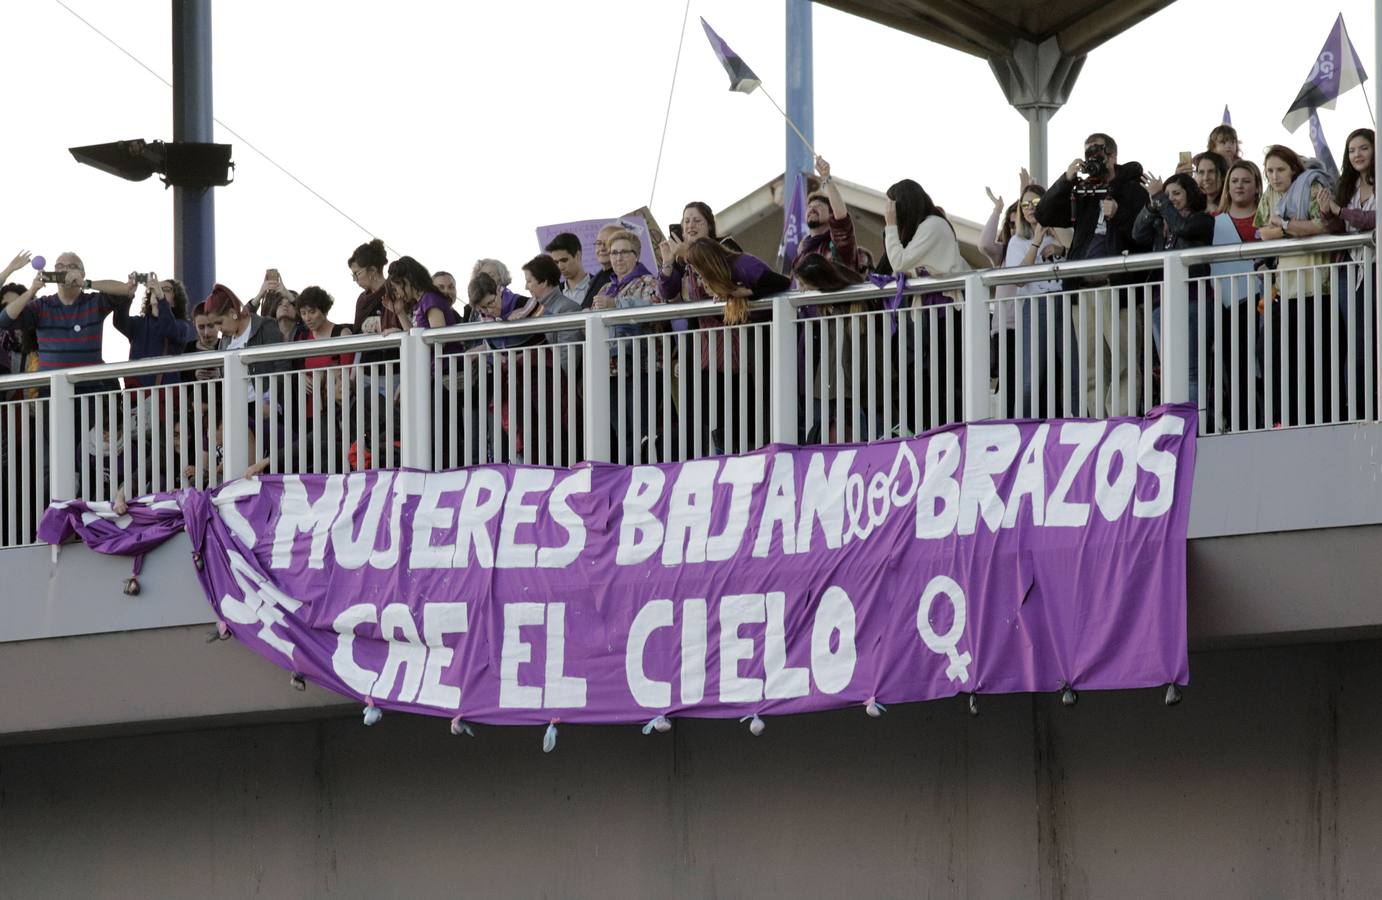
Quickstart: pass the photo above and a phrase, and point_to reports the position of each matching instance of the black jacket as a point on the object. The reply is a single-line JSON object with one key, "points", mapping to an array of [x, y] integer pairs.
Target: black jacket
{"points": [[1160, 227], [1057, 211], [597, 284]]}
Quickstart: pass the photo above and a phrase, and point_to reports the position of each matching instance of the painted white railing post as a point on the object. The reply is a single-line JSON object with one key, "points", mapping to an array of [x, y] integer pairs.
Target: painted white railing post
{"points": [[235, 422], [783, 365], [1175, 331], [62, 438], [974, 317], [1372, 375], [596, 377], [415, 401]]}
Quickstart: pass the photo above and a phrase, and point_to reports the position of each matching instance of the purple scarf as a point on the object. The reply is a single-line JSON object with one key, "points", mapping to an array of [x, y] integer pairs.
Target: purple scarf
{"points": [[894, 303], [618, 284]]}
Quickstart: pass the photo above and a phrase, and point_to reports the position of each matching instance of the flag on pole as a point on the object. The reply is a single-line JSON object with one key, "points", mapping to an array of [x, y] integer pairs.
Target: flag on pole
{"points": [[1322, 151], [1228, 120], [793, 222], [741, 77], [1337, 69]]}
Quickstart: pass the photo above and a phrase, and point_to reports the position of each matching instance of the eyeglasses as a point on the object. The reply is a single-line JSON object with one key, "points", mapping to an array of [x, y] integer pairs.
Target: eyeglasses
{"points": [[1029, 204], [67, 267], [622, 253]]}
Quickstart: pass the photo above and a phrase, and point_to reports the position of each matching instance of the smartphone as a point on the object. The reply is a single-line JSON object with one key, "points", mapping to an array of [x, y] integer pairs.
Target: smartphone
{"points": [[141, 278], [1187, 158], [676, 232], [272, 275], [54, 277]]}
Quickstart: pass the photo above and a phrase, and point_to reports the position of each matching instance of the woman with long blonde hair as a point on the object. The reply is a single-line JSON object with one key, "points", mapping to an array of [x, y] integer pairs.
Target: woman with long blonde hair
{"points": [[733, 279]]}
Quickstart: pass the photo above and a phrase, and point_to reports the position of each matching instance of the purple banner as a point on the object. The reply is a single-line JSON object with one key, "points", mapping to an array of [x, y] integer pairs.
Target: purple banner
{"points": [[988, 558]]}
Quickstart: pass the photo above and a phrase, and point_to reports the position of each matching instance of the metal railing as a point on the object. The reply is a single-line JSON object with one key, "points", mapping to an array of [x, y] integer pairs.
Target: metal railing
{"points": [[1255, 346]]}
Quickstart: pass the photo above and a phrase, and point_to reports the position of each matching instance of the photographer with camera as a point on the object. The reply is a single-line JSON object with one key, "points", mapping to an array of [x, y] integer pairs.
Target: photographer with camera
{"points": [[159, 329], [69, 322], [1100, 199]]}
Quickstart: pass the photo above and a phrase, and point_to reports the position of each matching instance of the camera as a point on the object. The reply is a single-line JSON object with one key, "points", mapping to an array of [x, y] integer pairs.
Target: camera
{"points": [[1095, 163]]}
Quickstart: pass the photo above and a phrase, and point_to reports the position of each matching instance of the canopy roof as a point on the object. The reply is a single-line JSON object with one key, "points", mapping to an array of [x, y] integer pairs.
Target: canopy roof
{"points": [[994, 28]]}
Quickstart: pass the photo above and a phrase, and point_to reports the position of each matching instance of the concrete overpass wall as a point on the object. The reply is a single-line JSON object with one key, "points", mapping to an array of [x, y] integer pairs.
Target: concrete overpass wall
{"points": [[1265, 782]]}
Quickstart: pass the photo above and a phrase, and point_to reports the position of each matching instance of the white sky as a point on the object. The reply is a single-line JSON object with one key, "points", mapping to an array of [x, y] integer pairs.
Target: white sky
{"points": [[453, 129]]}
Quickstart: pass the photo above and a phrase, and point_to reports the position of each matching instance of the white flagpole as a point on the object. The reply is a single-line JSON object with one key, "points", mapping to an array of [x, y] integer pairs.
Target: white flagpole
{"points": [[789, 120]]}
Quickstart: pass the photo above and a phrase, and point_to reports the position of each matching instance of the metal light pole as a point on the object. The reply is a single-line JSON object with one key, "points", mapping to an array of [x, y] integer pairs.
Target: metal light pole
{"points": [[800, 101], [194, 209]]}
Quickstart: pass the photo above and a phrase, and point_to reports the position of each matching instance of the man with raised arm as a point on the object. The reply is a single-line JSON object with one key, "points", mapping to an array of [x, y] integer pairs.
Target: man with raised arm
{"points": [[830, 230], [68, 323]]}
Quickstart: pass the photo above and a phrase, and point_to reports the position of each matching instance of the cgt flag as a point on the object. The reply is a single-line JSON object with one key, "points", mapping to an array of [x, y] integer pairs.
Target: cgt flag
{"points": [[793, 222], [741, 77], [1337, 69]]}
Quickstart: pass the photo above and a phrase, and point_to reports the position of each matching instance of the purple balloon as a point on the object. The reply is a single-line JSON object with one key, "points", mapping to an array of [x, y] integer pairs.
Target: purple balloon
{"points": [[38, 263]]}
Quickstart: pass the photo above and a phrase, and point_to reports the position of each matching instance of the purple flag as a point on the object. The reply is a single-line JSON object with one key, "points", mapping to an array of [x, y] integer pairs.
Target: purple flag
{"points": [[993, 557], [1337, 69], [1228, 120], [1322, 151], [741, 77], [793, 219]]}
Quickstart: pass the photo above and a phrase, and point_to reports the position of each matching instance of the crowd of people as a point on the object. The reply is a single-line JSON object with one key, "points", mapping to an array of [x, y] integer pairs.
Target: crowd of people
{"points": [[1099, 206]]}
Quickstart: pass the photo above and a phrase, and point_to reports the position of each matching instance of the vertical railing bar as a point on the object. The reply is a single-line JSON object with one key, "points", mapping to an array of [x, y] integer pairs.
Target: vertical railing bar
{"points": [[919, 372], [14, 517], [997, 312], [1330, 314], [546, 363], [764, 355], [347, 415], [685, 365], [808, 370], [156, 462], [637, 352], [328, 419], [954, 361], [933, 366], [390, 453], [727, 431], [665, 368], [742, 365], [88, 410], [465, 389], [1370, 335], [1351, 345], [437, 366], [1314, 313]]}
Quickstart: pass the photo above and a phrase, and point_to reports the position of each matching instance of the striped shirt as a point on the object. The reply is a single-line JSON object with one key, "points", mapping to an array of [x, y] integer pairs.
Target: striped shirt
{"points": [[67, 335]]}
